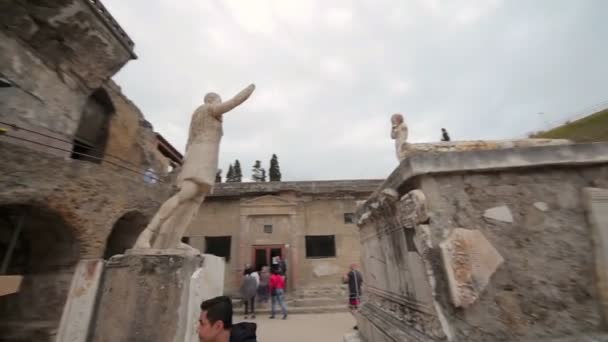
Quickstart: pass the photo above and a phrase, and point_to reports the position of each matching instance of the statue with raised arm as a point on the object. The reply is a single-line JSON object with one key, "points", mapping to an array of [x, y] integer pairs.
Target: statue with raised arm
{"points": [[399, 133], [196, 177]]}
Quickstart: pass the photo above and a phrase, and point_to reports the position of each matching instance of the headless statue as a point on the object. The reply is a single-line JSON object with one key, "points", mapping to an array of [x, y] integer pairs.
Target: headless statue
{"points": [[197, 176], [399, 133]]}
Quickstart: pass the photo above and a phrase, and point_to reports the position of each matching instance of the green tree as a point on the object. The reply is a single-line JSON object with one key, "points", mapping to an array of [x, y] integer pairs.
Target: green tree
{"points": [[230, 174], [218, 176], [238, 174], [274, 171]]}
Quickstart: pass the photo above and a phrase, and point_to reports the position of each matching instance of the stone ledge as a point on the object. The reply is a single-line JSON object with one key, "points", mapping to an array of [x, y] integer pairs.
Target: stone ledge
{"points": [[307, 187], [492, 160]]}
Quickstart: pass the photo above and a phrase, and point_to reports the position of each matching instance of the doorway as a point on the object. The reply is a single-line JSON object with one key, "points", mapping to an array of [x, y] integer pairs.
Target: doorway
{"points": [[262, 255]]}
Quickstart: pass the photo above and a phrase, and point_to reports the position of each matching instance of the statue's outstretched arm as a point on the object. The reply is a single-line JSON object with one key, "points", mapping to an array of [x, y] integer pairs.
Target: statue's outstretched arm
{"points": [[227, 106]]}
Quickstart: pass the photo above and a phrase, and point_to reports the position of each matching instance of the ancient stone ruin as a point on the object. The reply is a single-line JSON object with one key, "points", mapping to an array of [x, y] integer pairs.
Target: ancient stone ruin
{"points": [[506, 242]]}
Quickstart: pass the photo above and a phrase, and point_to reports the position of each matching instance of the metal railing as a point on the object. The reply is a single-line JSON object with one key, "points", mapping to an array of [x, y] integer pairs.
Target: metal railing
{"points": [[101, 156]]}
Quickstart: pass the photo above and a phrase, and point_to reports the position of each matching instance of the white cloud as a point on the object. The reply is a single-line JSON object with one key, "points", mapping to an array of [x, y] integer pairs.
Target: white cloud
{"points": [[330, 74], [336, 68], [339, 18], [399, 87], [252, 16]]}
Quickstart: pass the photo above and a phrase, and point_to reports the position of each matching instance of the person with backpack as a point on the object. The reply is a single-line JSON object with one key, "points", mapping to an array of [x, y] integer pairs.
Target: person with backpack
{"points": [[249, 288]]}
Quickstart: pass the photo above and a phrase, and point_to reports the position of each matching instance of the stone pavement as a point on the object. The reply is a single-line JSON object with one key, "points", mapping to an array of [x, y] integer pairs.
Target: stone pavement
{"points": [[329, 327]]}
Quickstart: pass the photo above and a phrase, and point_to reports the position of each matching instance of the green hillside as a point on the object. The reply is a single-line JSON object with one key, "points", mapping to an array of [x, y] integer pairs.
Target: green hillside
{"points": [[591, 128]]}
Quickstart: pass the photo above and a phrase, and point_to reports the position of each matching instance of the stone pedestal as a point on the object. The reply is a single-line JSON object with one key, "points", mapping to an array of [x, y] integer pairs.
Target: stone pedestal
{"points": [[155, 297]]}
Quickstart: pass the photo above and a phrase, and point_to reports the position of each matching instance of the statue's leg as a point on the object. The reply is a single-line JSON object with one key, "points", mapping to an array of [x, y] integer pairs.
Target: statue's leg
{"points": [[166, 210], [172, 230]]}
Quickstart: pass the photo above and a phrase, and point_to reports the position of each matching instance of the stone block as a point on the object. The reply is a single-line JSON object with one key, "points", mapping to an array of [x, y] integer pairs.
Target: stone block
{"points": [[154, 297], [596, 207], [79, 307], [469, 261], [206, 282], [542, 206], [412, 209], [501, 213]]}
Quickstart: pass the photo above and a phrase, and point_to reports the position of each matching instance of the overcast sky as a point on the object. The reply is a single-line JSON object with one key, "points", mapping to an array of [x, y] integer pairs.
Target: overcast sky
{"points": [[329, 74]]}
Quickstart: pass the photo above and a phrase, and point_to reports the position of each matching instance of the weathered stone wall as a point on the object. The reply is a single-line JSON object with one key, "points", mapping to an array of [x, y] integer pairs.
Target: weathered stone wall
{"points": [[39, 96], [131, 137], [89, 197], [546, 286], [78, 31], [54, 55], [505, 253]]}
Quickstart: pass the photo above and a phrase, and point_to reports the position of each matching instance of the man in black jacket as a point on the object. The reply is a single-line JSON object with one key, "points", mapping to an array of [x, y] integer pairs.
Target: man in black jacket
{"points": [[354, 281], [215, 323]]}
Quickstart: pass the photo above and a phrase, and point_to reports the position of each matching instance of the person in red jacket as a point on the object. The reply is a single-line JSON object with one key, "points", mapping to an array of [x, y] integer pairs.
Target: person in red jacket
{"points": [[277, 291]]}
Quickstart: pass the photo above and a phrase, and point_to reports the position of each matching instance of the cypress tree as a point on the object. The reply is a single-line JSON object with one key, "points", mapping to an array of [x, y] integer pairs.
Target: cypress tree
{"points": [[230, 174], [238, 174], [274, 171]]}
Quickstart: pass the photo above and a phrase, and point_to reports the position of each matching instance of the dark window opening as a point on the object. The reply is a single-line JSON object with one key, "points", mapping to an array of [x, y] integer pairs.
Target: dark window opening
{"points": [[86, 152], [92, 134], [320, 246], [218, 246], [186, 240], [349, 218], [268, 228]]}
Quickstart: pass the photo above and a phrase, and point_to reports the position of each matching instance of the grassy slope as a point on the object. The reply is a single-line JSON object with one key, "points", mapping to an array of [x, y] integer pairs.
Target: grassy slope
{"points": [[588, 129]]}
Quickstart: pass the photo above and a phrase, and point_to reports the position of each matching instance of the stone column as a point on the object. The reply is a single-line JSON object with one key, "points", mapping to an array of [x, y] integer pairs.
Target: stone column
{"points": [[293, 267], [244, 251], [80, 304]]}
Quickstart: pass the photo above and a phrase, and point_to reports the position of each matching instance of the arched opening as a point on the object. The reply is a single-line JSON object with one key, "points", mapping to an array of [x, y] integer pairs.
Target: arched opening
{"points": [[92, 135], [37, 247], [125, 233]]}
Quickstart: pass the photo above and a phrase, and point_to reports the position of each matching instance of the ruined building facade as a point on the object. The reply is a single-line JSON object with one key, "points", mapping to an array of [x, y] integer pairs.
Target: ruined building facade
{"points": [[311, 225], [82, 170]]}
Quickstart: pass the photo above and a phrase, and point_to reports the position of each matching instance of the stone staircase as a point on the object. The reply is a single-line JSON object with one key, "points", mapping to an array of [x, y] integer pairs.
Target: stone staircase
{"points": [[321, 299]]}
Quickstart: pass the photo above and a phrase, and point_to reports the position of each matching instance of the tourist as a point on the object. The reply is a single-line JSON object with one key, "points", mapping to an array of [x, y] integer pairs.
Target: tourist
{"points": [[277, 292], [282, 266], [249, 288], [263, 286], [256, 275], [215, 323], [354, 280]]}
